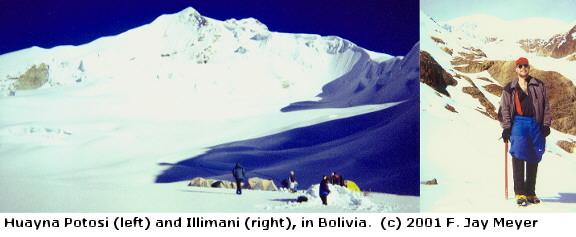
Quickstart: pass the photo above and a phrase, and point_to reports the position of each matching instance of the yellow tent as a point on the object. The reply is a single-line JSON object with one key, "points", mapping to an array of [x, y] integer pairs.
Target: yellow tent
{"points": [[352, 186], [260, 184]]}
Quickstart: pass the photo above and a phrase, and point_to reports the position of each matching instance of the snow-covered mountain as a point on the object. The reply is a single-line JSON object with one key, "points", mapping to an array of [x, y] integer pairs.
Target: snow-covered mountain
{"points": [[463, 69], [491, 28], [558, 46], [188, 96]]}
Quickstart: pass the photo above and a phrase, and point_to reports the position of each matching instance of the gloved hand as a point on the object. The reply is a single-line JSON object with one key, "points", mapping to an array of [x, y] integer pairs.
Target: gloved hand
{"points": [[506, 133], [546, 131]]}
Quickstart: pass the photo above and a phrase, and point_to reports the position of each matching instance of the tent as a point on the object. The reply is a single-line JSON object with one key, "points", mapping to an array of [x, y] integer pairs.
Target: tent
{"points": [[352, 186], [202, 182], [253, 183], [223, 184], [260, 184]]}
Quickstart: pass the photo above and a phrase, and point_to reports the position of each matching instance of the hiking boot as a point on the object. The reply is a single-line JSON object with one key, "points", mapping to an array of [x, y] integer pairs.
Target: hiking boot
{"points": [[533, 199], [521, 200]]}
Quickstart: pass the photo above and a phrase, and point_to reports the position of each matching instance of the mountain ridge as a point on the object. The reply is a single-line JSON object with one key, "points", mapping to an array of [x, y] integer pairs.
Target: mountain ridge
{"points": [[558, 46], [176, 39]]}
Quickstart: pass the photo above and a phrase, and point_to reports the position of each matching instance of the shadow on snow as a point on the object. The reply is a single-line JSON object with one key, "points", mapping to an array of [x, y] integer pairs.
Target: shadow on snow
{"points": [[564, 198], [378, 150]]}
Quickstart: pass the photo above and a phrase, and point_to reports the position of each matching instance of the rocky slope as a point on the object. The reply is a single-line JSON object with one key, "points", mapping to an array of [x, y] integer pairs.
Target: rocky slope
{"points": [[559, 46], [480, 69], [432, 74]]}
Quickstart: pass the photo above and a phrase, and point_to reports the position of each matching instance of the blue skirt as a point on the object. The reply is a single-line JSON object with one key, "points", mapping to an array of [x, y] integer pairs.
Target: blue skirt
{"points": [[527, 142]]}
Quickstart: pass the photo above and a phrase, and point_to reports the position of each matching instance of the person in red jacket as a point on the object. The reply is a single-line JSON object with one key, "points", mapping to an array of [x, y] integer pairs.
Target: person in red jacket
{"points": [[336, 179], [524, 115]]}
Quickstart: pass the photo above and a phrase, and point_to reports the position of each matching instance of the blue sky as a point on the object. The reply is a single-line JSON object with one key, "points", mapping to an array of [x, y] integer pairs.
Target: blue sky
{"points": [[388, 26], [443, 10]]}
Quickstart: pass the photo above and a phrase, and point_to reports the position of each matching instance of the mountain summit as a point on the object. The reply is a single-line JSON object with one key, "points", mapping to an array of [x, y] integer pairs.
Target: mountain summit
{"points": [[188, 96], [162, 48]]}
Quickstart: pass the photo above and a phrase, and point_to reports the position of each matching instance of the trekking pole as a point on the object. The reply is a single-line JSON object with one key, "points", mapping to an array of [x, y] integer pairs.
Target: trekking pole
{"points": [[506, 169]]}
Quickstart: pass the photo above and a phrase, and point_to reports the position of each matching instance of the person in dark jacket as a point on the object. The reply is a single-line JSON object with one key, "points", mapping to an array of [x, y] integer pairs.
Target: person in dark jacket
{"points": [[238, 173], [324, 190], [341, 180], [525, 118], [336, 179], [332, 178]]}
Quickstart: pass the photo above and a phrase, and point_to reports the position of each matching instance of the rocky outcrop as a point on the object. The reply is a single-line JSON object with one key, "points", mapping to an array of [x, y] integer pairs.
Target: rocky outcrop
{"points": [[490, 109], [444, 48], [568, 146], [475, 67], [433, 75], [472, 61], [437, 40], [34, 78], [494, 89], [484, 79], [502, 71], [558, 46], [468, 79], [430, 182], [450, 108]]}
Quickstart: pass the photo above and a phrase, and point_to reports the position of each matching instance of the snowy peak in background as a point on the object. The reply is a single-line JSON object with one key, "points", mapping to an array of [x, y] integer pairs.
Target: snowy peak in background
{"points": [[172, 43], [188, 96], [492, 28], [558, 46]]}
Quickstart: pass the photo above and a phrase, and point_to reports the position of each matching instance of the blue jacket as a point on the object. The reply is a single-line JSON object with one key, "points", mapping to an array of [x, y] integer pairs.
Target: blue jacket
{"points": [[324, 190]]}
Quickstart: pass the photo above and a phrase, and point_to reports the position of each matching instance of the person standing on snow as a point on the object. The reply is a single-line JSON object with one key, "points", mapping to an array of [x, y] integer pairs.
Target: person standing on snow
{"points": [[524, 115], [340, 180], [336, 179], [238, 173], [292, 182], [324, 190]]}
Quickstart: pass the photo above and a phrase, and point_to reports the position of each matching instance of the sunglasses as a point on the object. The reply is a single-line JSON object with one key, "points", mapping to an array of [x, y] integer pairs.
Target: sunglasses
{"points": [[523, 65]]}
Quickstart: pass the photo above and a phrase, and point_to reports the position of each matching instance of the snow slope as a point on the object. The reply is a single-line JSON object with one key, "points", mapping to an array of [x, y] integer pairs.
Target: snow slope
{"points": [[125, 121], [462, 150], [77, 197]]}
